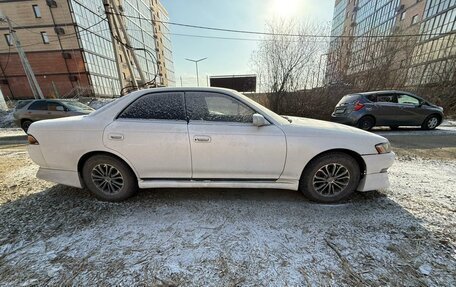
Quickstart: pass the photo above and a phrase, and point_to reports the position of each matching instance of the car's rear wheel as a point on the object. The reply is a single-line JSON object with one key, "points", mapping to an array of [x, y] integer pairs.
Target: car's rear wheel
{"points": [[431, 122], [109, 178], [25, 125], [330, 178], [366, 123]]}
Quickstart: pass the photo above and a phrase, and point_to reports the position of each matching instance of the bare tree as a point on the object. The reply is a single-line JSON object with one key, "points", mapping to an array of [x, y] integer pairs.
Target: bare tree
{"points": [[288, 63]]}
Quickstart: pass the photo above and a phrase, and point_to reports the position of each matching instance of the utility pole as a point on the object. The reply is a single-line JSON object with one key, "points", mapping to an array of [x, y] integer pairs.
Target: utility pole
{"points": [[196, 63], [120, 28], [36, 90]]}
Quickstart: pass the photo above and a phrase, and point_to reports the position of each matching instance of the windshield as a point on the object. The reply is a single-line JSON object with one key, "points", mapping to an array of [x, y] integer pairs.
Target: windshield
{"points": [[77, 106]]}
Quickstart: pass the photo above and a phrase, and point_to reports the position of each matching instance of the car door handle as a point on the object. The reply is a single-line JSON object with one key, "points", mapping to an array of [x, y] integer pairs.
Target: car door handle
{"points": [[116, 137], [202, 139]]}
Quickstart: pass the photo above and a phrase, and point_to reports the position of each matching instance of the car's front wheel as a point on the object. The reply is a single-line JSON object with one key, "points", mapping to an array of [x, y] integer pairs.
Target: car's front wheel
{"points": [[330, 178], [109, 178], [431, 122]]}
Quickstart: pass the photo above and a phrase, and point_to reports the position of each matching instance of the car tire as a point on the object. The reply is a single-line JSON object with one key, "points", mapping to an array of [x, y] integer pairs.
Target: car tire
{"points": [[109, 178], [25, 125], [394, 127], [431, 122], [366, 123], [330, 178]]}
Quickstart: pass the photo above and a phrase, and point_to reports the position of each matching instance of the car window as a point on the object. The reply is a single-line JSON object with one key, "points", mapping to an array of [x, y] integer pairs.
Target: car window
{"points": [[347, 99], [21, 104], [372, 98], [77, 106], [386, 99], [38, 106], [157, 106], [55, 106], [407, 100], [216, 107]]}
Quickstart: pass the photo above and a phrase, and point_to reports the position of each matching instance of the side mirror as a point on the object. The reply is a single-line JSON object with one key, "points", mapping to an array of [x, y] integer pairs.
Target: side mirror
{"points": [[259, 120], [60, 108]]}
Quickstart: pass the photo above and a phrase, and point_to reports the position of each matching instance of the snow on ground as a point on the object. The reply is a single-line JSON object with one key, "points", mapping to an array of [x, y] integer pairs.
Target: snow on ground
{"points": [[56, 235], [6, 119]]}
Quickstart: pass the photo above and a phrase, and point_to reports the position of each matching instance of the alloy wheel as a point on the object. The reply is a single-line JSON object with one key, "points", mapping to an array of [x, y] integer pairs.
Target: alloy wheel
{"points": [[432, 123], [331, 179], [107, 178]]}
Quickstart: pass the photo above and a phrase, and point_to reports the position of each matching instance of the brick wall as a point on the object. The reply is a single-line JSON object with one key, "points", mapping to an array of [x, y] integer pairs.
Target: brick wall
{"points": [[48, 67]]}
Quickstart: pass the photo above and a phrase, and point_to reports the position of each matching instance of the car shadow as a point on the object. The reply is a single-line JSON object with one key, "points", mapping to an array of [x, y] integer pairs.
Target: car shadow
{"points": [[369, 237]]}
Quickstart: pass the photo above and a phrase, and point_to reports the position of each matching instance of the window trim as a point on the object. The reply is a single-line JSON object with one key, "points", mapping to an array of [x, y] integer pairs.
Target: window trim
{"points": [[36, 10], [267, 117], [117, 117]]}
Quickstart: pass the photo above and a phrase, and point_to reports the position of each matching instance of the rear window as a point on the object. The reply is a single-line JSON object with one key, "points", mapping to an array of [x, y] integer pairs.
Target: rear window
{"points": [[348, 99], [22, 104]]}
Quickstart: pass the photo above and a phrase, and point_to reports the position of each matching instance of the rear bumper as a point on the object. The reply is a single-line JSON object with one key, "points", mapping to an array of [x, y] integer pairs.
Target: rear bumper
{"points": [[65, 177], [344, 119], [376, 176]]}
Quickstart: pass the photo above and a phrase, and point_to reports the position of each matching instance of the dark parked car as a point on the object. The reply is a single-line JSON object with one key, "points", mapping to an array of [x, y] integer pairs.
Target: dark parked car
{"points": [[29, 111], [387, 108]]}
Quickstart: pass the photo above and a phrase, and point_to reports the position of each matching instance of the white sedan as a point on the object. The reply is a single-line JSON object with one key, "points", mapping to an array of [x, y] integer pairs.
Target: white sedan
{"points": [[205, 138]]}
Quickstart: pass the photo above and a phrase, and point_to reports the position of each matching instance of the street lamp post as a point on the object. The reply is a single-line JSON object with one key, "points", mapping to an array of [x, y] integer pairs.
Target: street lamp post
{"points": [[196, 63]]}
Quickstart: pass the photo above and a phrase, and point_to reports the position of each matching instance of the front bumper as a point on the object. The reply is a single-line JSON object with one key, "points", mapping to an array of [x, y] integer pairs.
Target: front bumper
{"points": [[376, 176]]}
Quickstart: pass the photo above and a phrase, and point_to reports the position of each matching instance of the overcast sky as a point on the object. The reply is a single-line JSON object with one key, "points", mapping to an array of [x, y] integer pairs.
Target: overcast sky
{"points": [[227, 57]]}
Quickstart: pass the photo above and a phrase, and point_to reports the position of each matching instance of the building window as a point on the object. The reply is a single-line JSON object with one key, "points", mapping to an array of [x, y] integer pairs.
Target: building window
{"points": [[37, 11], [9, 40], [45, 37], [415, 19], [403, 15]]}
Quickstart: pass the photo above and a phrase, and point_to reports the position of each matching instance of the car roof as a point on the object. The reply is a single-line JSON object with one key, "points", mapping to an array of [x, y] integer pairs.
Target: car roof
{"points": [[383, 92]]}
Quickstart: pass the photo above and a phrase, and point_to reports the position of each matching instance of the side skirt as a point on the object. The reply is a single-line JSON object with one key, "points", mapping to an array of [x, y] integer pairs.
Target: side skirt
{"points": [[161, 183]]}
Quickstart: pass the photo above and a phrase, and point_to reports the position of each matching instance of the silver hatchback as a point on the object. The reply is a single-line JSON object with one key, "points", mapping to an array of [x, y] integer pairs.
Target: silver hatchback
{"points": [[387, 108]]}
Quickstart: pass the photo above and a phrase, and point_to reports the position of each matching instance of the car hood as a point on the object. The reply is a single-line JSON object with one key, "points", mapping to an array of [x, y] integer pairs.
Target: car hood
{"points": [[310, 127]]}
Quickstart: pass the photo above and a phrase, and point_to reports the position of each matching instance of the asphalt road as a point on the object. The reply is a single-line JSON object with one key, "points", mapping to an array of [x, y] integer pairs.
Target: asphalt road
{"points": [[442, 137]]}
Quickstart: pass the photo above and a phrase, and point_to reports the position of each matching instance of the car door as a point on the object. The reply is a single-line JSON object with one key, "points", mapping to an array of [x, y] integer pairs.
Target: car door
{"points": [[412, 112], [385, 109], [151, 133], [226, 145], [56, 110], [37, 111]]}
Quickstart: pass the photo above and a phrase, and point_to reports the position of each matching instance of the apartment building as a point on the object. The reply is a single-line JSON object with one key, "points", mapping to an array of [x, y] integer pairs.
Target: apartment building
{"points": [[392, 43], [163, 43], [74, 50]]}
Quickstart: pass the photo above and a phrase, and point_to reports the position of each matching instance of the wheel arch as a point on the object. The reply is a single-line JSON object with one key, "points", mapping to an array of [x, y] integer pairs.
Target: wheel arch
{"points": [[359, 159], [369, 116], [90, 154], [439, 116]]}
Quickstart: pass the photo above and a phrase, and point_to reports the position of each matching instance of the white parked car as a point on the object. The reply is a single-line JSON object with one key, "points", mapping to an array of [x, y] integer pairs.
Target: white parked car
{"points": [[203, 138]]}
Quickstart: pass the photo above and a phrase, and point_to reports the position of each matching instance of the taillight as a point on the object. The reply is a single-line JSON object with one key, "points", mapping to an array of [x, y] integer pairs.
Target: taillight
{"points": [[358, 106], [32, 140]]}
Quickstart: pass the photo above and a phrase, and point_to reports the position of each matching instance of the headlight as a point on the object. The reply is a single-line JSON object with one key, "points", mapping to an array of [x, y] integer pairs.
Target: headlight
{"points": [[383, 147]]}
